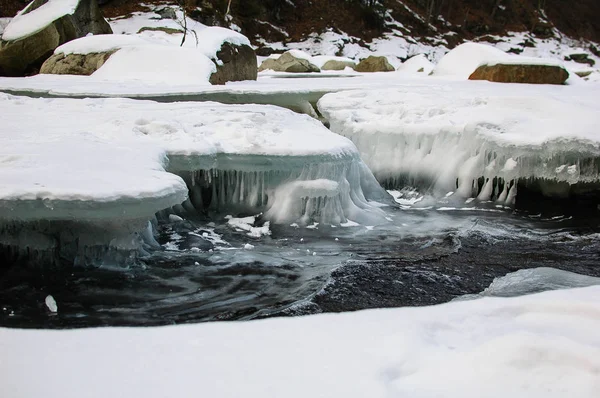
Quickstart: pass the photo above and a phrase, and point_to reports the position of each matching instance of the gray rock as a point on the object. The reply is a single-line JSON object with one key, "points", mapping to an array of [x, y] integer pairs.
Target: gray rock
{"points": [[25, 55], [166, 13], [333, 64], [75, 64], [234, 63], [374, 64], [288, 63]]}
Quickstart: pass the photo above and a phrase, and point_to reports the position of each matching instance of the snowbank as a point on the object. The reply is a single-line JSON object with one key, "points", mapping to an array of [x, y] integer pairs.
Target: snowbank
{"points": [[25, 23], [417, 64], [434, 135], [158, 64], [539, 346], [462, 61]]}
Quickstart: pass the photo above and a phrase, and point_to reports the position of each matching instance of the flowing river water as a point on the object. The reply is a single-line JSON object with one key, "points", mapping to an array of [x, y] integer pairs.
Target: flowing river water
{"points": [[208, 269]]}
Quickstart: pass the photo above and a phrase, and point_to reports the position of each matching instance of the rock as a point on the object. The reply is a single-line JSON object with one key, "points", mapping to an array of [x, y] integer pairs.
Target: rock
{"points": [[580, 58], [374, 64], [521, 73], [170, 31], [21, 56], [166, 13], [334, 64], [234, 63], [288, 63], [75, 64]]}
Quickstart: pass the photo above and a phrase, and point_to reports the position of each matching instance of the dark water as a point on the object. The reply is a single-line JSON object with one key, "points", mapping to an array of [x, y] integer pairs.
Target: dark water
{"points": [[207, 271]]}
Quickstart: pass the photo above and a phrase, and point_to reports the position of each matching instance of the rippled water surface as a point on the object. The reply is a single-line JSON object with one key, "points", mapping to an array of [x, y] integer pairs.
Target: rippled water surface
{"points": [[209, 270]]}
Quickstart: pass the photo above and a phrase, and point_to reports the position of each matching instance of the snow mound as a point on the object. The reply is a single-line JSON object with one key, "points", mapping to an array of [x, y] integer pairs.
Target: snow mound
{"points": [[438, 137], [463, 60], [158, 64], [417, 64], [26, 23], [544, 345]]}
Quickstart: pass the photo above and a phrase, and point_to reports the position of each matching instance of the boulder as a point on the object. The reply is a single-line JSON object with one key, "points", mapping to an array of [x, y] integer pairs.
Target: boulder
{"points": [[75, 64], [234, 63], [374, 64], [334, 64], [521, 73], [28, 43], [287, 62]]}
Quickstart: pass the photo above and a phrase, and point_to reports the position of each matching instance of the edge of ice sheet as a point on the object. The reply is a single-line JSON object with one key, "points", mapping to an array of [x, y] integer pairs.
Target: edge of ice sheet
{"points": [[441, 133], [535, 346], [98, 159]]}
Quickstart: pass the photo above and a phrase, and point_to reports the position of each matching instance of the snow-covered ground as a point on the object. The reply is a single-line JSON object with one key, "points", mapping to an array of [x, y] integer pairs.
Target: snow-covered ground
{"points": [[544, 345]]}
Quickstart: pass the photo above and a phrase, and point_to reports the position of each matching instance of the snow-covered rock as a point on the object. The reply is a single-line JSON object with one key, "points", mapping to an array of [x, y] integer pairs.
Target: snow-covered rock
{"points": [[496, 65], [326, 62], [224, 56], [43, 25], [538, 346]]}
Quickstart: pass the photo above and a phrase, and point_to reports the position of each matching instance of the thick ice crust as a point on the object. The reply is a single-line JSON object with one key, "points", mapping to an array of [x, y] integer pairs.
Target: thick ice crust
{"points": [[437, 135], [95, 158]]}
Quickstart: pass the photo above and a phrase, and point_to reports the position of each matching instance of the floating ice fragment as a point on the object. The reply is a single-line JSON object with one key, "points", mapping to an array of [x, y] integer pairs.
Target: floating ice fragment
{"points": [[51, 304], [248, 246]]}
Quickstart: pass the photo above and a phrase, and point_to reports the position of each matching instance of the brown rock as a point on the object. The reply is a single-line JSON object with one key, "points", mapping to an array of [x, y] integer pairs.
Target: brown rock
{"points": [[288, 63], [25, 55], [374, 64], [75, 64], [334, 64], [234, 63], [532, 74]]}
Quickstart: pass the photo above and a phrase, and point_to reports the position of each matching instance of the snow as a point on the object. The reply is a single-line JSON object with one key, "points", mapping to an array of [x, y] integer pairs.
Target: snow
{"points": [[544, 345], [442, 132], [320, 60], [417, 64], [463, 60], [25, 23], [212, 38], [247, 224], [158, 63], [121, 147], [100, 44]]}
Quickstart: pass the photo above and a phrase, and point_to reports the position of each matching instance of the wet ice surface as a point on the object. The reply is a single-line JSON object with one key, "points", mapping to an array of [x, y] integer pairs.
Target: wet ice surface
{"points": [[219, 268]]}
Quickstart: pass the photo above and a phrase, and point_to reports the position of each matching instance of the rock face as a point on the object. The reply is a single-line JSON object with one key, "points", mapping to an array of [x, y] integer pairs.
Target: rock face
{"points": [[23, 56], [334, 64], [75, 64], [234, 63], [509, 73], [374, 64], [288, 63]]}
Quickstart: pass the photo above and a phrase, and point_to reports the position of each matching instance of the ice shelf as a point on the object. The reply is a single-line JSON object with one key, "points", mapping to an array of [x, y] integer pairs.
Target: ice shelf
{"points": [[476, 142], [114, 163]]}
